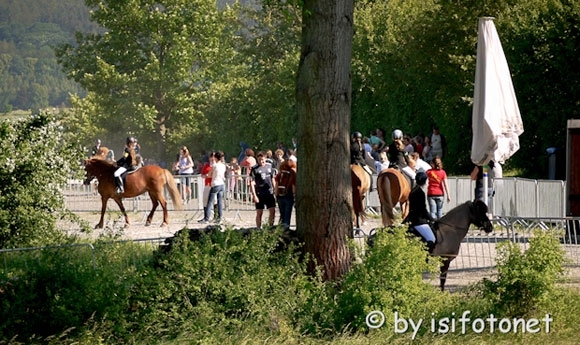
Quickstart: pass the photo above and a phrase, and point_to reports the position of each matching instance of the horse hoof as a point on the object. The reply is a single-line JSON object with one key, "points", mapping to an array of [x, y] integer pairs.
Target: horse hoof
{"points": [[147, 223], [98, 226], [164, 224]]}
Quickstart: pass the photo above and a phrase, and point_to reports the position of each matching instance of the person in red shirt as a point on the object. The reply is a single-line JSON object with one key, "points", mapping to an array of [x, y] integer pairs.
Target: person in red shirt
{"points": [[205, 173], [437, 188]]}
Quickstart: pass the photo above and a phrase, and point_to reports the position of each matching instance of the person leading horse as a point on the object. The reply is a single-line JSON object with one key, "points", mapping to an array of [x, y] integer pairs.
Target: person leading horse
{"points": [[126, 163]]}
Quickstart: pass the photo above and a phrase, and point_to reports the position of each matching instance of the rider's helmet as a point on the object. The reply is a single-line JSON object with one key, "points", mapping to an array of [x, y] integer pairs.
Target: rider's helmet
{"points": [[397, 134], [421, 178], [357, 135], [131, 140]]}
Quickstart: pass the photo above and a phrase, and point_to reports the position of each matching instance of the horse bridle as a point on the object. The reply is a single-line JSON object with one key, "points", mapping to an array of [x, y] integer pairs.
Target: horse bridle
{"points": [[475, 212]]}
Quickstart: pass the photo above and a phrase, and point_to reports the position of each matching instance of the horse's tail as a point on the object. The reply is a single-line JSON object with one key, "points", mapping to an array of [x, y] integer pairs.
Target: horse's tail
{"points": [[386, 199], [173, 191], [357, 197]]}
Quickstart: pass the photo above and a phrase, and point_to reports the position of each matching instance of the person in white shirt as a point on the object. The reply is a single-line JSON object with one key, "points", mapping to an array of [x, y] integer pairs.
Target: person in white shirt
{"points": [[218, 181], [185, 169], [438, 144], [420, 165], [382, 163]]}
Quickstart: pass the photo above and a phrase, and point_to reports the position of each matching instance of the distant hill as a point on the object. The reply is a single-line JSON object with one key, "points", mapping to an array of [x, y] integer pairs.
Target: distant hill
{"points": [[30, 77]]}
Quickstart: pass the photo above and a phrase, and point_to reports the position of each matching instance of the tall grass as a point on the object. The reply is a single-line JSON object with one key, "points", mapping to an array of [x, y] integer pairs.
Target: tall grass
{"points": [[234, 288]]}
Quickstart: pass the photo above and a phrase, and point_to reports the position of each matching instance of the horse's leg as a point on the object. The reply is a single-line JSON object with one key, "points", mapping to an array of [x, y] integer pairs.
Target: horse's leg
{"points": [[444, 269], [163, 203], [119, 202], [156, 199], [103, 210], [150, 215]]}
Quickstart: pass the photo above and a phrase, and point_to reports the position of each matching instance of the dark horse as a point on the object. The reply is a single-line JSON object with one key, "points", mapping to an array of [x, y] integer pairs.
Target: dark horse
{"points": [[452, 229], [361, 182], [393, 188], [149, 178]]}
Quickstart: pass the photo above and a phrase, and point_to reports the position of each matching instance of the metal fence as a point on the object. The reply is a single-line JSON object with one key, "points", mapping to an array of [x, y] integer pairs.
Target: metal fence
{"points": [[514, 197], [518, 207]]}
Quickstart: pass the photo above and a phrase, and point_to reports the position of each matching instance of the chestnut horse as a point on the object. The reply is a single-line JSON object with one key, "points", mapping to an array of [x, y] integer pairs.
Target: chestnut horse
{"points": [[361, 182], [393, 188], [150, 178], [104, 153]]}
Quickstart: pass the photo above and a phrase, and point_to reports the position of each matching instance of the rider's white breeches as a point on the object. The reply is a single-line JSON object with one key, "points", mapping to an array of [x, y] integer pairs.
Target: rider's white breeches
{"points": [[119, 171], [407, 170], [425, 231]]}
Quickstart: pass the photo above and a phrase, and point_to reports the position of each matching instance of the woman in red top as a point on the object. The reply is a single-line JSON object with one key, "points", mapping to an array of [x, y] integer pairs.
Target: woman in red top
{"points": [[437, 188]]}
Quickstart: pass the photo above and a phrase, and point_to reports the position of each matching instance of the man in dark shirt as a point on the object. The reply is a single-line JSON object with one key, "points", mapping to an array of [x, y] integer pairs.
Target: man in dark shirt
{"points": [[262, 187]]}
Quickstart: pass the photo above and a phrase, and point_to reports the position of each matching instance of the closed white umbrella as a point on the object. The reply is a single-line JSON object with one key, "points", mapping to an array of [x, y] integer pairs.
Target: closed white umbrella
{"points": [[497, 122]]}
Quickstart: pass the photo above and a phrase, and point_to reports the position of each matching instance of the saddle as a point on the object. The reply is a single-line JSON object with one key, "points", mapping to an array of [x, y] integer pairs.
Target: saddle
{"points": [[407, 177], [129, 172]]}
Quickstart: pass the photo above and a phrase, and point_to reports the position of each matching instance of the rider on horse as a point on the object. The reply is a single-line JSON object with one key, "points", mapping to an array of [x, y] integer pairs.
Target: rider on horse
{"points": [[419, 215], [125, 163], [357, 155], [398, 157]]}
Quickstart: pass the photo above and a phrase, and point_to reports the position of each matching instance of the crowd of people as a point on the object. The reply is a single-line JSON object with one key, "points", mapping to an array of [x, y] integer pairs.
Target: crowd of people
{"points": [[420, 158], [268, 178]]}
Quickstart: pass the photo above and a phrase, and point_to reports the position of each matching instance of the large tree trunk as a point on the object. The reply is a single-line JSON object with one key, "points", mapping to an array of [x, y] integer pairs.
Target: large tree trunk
{"points": [[323, 92]]}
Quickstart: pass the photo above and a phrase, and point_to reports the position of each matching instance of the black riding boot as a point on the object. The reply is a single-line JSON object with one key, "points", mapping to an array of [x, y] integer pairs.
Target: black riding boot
{"points": [[430, 246], [119, 183]]}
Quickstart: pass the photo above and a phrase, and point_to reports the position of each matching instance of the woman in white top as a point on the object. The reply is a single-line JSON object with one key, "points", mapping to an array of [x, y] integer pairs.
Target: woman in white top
{"points": [[383, 162], [185, 169], [218, 181]]}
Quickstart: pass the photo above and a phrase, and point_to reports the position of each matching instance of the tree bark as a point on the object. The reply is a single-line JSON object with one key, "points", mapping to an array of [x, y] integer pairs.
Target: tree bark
{"points": [[323, 92]]}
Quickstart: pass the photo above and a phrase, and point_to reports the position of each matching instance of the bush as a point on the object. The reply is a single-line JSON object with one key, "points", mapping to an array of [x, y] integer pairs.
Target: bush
{"points": [[35, 163], [525, 278], [60, 288], [223, 280], [389, 279]]}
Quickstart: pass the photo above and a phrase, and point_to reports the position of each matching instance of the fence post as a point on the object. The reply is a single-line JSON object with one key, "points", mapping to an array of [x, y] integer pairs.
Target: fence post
{"points": [[537, 190], [200, 186]]}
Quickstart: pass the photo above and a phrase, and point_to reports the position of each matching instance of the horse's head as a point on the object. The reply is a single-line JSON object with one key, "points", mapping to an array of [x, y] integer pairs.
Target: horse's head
{"points": [[95, 168], [479, 216], [89, 176]]}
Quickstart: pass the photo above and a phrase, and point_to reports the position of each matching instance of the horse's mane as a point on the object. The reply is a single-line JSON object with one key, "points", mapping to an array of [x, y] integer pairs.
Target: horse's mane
{"points": [[100, 164], [458, 208]]}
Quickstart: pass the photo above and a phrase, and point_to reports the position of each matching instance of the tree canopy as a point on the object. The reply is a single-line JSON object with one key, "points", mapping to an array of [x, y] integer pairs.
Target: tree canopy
{"points": [[210, 76]]}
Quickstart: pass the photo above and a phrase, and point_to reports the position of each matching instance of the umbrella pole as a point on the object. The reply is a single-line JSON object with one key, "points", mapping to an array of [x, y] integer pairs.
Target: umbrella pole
{"points": [[485, 186]]}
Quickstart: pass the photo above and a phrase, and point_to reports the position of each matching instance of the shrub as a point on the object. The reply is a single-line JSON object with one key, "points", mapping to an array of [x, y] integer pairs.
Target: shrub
{"points": [[389, 279], [35, 162], [525, 278], [61, 288], [223, 280]]}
